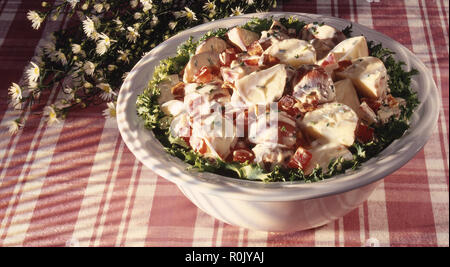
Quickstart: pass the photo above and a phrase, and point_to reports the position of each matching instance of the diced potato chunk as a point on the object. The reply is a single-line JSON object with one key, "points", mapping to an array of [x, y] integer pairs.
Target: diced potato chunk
{"points": [[313, 85], [231, 75], [165, 86], [293, 52], [201, 98], [242, 38], [172, 107], [366, 114], [198, 61], [322, 37], [332, 122], [323, 154], [218, 132], [264, 86], [346, 94], [180, 127], [369, 75], [212, 44], [350, 49], [322, 31], [265, 129]]}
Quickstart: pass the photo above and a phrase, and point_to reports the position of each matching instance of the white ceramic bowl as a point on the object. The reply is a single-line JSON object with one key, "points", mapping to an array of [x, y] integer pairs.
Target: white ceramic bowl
{"points": [[281, 206]]}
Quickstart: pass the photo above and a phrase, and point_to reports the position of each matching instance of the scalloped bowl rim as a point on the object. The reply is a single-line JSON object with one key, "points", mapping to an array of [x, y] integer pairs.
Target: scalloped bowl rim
{"points": [[143, 144]]}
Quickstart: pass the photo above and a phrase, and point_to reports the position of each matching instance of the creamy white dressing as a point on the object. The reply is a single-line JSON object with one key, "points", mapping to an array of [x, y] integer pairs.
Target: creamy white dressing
{"points": [[216, 112], [293, 52]]}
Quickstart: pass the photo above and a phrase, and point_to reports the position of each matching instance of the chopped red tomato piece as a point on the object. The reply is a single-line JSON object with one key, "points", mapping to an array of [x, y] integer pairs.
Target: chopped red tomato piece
{"points": [[269, 60], [285, 129], [300, 159], [205, 74], [374, 104], [364, 133], [227, 56], [287, 104], [255, 49], [243, 154], [178, 90], [199, 145], [251, 61], [330, 60], [344, 64]]}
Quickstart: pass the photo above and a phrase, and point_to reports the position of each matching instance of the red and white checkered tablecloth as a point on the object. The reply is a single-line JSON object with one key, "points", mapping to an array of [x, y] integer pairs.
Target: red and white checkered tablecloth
{"points": [[76, 183]]}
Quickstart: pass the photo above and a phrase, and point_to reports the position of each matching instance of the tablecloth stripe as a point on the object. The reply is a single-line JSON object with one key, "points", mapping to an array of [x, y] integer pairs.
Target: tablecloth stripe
{"points": [[440, 57], [164, 214], [400, 215], [105, 194], [439, 60], [129, 210], [16, 151], [119, 196], [112, 199]]}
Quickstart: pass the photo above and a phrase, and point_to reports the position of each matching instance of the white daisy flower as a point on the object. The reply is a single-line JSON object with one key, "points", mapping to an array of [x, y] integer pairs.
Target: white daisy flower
{"points": [[236, 11], [35, 19], [123, 56], [14, 126], [98, 7], [108, 93], [154, 21], [89, 68], [209, 6], [118, 22], [59, 56], [137, 15], [73, 3], [250, 2], [110, 112], [33, 72], [147, 5], [104, 44], [132, 34], [89, 27], [15, 93], [190, 14], [76, 48], [51, 114], [134, 3]]}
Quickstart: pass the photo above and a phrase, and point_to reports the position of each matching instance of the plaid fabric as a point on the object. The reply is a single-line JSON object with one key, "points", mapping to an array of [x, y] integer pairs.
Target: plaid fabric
{"points": [[76, 183]]}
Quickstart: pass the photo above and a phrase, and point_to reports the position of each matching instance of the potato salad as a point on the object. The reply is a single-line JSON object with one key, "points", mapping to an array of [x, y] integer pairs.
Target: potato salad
{"points": [[281, 100]]}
